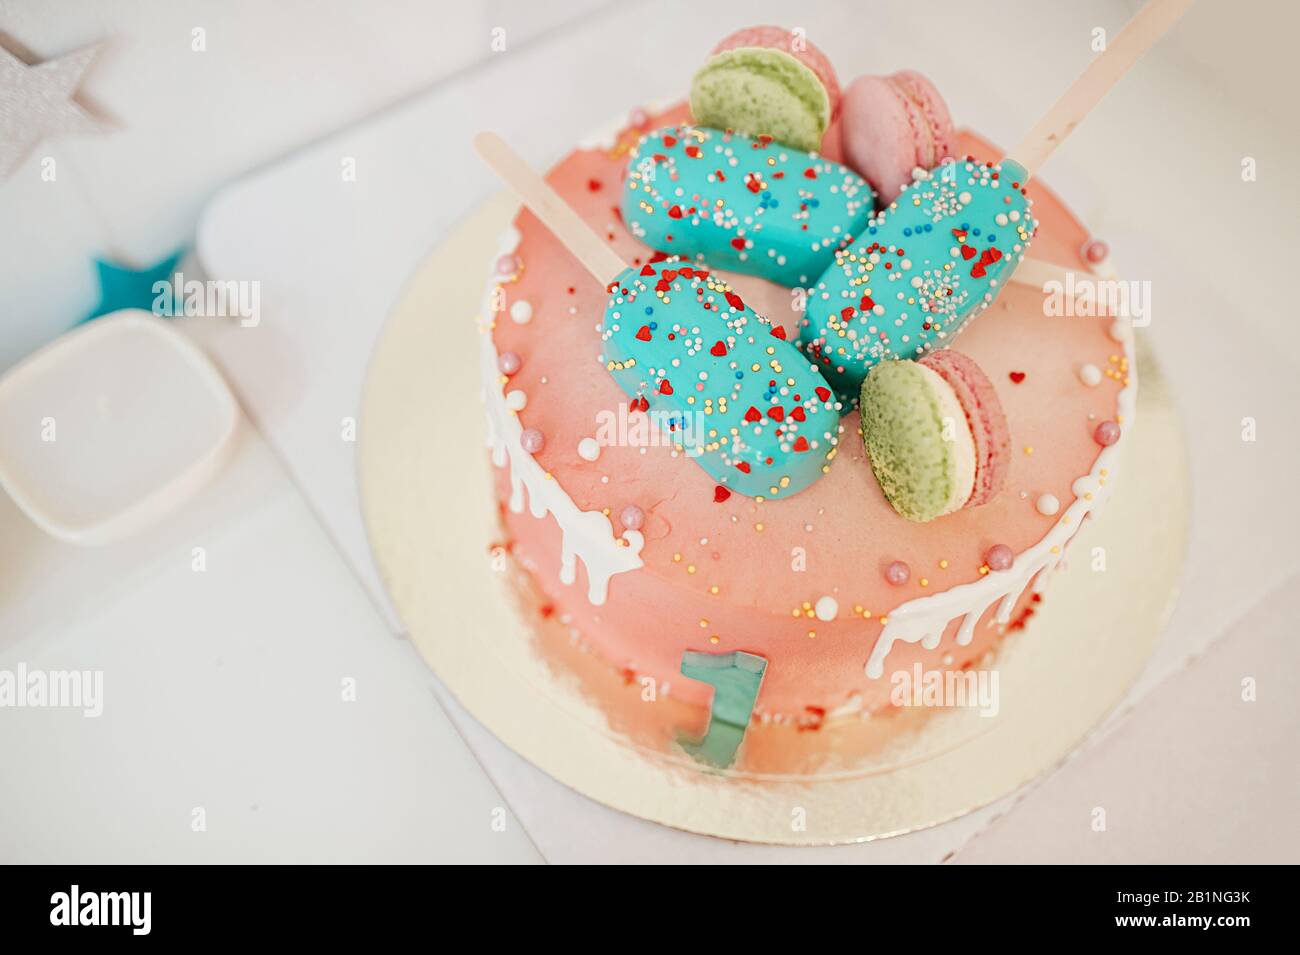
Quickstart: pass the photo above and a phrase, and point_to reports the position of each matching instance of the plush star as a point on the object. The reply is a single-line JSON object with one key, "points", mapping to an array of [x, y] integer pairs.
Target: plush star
{"points": [[36, 102], [121, 287]]}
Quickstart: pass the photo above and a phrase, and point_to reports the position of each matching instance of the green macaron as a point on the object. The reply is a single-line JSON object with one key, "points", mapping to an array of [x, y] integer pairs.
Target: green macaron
{"points": [[916, 435], [759, 91]]}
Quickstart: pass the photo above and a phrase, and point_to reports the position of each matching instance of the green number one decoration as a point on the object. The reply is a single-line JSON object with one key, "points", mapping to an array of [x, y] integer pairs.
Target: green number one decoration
{"points": [[735, 678]]}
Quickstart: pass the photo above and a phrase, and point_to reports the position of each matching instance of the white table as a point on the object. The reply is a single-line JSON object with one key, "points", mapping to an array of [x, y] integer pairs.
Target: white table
{"points": [[226, 683]]}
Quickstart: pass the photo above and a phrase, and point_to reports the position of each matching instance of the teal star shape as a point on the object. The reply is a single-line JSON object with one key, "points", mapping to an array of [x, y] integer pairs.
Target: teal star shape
{"points": [[122, 287]]}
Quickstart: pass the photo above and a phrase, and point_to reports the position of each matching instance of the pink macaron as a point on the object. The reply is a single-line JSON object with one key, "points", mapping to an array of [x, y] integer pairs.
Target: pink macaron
{"points": [[988, 425], [892, 125], [794, 43]]}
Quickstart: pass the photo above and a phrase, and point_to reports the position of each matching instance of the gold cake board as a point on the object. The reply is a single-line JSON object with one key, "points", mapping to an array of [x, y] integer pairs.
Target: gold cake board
{"points": [[426, 494]]}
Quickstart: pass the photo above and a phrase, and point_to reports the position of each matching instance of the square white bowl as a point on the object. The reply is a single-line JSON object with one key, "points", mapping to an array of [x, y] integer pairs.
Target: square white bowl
{"points": [[109, 427]]}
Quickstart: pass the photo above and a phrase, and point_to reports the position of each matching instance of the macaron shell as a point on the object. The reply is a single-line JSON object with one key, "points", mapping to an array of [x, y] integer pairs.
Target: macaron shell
{"points": [[762, 92], [892, 125], [924, 473], [779, 38], [988, 424], [935, 131]]}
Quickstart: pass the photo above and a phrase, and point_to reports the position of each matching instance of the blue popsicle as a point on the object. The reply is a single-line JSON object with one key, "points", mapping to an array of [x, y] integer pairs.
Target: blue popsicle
{"points": [[920, 270], [747, 405], [747, 204]]}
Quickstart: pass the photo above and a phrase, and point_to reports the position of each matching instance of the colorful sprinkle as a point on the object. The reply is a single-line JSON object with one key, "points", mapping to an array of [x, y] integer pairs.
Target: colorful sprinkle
{"points": [[827, 608], [999, 557], [521, 312], [532, 440], [1107, 433], [898, 573], [1095, 251]]}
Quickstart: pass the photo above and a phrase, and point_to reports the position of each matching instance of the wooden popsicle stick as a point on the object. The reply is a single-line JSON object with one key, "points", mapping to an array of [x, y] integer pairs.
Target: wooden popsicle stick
{"points": [[545, 203], [1038, 272], [1138, 36]]}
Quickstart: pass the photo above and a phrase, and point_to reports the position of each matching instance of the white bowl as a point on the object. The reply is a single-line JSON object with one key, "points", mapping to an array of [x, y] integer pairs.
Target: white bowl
{"points": [[109, 427]]}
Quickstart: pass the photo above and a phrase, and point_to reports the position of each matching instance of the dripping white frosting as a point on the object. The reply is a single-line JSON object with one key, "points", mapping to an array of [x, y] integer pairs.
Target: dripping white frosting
{"points": [[925, 619], [585, 535]]}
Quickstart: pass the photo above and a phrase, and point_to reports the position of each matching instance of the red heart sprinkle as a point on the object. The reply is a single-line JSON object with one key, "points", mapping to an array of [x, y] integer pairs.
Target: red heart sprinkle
{"points": [[797, 413], [753, 414], [675, 212], [738, 243], [776, 413], [778, 332], [824, 394], [735, 301], [693, 151], [647, 270], [720, 494], [810, 173], [801, 443], [718, 349], [967, 252], [743, 466], [1017, 376], [643, 333], [670, 142]]}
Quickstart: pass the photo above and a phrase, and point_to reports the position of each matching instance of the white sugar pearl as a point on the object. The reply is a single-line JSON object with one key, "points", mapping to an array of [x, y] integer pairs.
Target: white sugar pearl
{"points": [[521, 312], [588, 449], [1048, 505], [1090, 375], [964, 198], [1001, 218], [516, 400], [827, 608]]}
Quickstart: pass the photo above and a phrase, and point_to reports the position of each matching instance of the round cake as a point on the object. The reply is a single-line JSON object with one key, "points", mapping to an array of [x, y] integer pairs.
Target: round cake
{"points": [[656, 568]]}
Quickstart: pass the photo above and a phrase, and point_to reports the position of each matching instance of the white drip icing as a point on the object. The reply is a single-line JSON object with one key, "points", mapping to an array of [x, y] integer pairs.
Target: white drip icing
{"points": [[585, 535], [925, 619]]}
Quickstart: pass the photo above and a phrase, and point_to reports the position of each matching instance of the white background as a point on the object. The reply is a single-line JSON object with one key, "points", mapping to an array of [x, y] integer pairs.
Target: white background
{"points": [[223, 686]]}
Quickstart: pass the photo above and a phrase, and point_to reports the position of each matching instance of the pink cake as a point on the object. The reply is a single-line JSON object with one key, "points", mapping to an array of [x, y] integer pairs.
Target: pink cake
{"points": [[643, 557]]}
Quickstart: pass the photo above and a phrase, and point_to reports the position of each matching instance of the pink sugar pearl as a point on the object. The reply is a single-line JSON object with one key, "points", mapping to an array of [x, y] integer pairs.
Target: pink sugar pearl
{"points": [[999, 557], [1107, 433], [508, 265], [898, 573], [509, 363], [532, 440], [632, 517], [1096, 251]]}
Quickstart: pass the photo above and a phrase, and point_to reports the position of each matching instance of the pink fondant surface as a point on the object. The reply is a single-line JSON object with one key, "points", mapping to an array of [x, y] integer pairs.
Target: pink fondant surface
{"points": [[749, 573]]}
